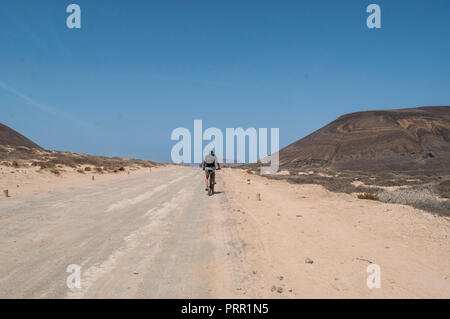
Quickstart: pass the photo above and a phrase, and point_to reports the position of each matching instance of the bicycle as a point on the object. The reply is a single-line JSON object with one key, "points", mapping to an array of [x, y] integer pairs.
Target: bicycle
{"points": [[211, 182]]}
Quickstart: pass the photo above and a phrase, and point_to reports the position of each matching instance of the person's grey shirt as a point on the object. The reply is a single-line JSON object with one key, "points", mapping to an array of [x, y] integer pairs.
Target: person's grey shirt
{"points": [[211, 161]]}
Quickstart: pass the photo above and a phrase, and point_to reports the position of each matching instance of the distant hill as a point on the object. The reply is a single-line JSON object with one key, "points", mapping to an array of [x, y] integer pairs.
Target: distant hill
{"points": [[10, 137], [18, 151], [391, 140]]}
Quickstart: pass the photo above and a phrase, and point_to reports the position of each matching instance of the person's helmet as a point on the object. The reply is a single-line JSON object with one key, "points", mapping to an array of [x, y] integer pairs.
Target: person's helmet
{"points": [[212, 152]]}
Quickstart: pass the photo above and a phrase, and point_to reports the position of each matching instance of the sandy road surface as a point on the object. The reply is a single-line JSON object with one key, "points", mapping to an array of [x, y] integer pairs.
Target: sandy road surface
{"points": [[146, 235], [157, 234]]}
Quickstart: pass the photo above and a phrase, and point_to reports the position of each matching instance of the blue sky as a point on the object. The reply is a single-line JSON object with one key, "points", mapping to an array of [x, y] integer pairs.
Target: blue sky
{"points": [[138, 69]]}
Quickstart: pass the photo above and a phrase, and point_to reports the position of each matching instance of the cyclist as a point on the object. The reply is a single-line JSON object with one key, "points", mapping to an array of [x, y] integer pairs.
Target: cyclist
{"points": [[209, 166]]}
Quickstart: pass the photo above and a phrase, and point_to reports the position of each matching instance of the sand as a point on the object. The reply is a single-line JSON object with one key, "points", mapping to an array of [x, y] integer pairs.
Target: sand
{"points": [[32, 180], [342, 235], [158, 234]]}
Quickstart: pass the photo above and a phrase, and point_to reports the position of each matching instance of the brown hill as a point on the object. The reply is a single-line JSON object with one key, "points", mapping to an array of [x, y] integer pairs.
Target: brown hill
{"points": [[19, 152], [10, 137], [405, 140]]}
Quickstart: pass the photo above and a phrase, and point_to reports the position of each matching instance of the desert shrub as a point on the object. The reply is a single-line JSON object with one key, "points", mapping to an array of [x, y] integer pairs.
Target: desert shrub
{"points": [[44, 165], [87, 169], [15, 153], [423, 191], [419, 197], [349, 188], [333, 184], [80, 171], [15, 164], [369, 196], [55, 171], [62, 160], [51, 159], [445, 183], [69, 162], [99, 169], [443, 189]]}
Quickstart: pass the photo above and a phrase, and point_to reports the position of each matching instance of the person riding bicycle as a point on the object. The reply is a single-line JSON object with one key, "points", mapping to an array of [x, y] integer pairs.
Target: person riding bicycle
{"points": [[209, 166]]}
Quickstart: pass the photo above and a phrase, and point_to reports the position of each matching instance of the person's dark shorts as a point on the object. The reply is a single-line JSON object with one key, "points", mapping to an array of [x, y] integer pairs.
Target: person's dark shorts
{"points": [[209, 170]]}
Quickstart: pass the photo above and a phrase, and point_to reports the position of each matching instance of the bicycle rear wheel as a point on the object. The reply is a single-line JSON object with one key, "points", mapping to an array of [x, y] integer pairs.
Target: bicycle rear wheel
{"points": [[211, 185]]}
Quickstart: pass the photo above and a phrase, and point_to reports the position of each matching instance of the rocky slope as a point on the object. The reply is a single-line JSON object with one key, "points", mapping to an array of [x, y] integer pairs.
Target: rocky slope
{"points": [[404, 140]]}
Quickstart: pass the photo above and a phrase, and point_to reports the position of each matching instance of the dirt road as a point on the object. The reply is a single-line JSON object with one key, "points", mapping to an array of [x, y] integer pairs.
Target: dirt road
{"points": [[145, 235], [150, 235]]}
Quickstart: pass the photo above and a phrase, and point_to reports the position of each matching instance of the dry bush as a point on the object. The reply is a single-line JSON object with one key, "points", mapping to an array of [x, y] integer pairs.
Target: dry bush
{"points": [[147, 164], [80, 171], [43, 165], [445, 183], [55, 171], [17, 153], [67, 162], [369, 196], [333, 184], [87, 169], [419, 197], [425, 191], [51, 159], [443, 189]]}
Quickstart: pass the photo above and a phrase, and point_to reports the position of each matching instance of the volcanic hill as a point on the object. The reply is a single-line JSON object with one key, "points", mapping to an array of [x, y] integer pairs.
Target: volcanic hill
{"points": [[402, 140], [12, 138]]}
